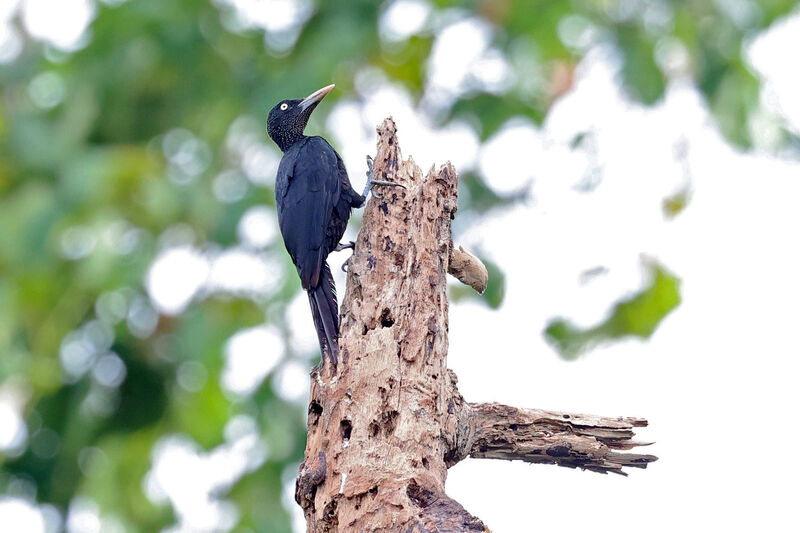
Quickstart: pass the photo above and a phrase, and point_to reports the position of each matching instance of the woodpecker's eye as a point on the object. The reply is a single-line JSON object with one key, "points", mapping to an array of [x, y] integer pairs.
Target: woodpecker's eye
{"points": [[284, 106]]}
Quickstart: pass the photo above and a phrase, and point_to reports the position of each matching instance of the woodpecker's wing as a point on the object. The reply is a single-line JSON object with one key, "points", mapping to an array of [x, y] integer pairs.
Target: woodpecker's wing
{"points": [[306, 190]]}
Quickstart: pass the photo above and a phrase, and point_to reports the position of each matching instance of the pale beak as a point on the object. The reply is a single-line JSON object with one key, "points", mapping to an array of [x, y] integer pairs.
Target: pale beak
{"points": [[315, 97]]}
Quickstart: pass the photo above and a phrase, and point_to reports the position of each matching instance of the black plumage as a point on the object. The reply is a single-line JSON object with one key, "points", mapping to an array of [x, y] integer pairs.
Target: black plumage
{"points": [[314, 199]]}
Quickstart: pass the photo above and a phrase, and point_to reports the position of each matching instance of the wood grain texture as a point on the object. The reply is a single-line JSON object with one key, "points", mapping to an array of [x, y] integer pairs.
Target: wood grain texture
{"points": [[549, 437], [387, 422]]}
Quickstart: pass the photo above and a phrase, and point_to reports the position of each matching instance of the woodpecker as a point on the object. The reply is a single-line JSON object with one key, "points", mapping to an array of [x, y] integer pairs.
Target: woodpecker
{"points": [[314, 199]]}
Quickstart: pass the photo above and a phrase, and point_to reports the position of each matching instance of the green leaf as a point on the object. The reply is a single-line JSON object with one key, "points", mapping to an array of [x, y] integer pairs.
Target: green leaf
{"points": [[638, 316], [640, 73]]}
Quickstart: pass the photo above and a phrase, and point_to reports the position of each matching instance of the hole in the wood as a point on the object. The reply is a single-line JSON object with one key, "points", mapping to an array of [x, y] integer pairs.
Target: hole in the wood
{"points": [[558, 451], [387, 422], [425, 462], [347, 428], [314, 412], [365, 330], [330, 519], [386, 318], [390, 421], [565, 416], [418, 495]]}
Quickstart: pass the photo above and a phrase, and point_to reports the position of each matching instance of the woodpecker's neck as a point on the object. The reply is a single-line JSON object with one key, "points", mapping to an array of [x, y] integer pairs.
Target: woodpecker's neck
{"points": [[286, 139]]}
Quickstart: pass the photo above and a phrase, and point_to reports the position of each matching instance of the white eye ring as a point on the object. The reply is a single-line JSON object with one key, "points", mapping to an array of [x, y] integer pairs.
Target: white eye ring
{"points": [[284, 106]]}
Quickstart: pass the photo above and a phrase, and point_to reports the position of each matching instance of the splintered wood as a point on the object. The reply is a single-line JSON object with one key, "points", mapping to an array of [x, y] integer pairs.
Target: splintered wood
{"points": [[386, 423]]}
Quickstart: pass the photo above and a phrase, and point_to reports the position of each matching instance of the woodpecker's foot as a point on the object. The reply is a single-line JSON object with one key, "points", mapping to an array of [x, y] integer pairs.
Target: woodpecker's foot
{"points": [[341, 246], [371, 182], [370, 165], [381, 182]]}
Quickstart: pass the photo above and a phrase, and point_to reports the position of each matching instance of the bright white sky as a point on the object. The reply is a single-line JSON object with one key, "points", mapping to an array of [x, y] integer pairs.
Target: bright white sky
{"points": [[717, 377], [716, 380]]}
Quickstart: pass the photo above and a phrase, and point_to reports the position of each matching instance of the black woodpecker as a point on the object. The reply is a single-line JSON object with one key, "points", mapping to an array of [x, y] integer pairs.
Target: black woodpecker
{"points": [[314, 199]]}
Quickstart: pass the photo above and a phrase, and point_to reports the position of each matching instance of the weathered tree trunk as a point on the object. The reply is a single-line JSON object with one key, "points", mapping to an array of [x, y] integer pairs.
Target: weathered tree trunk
{"points": [[387, 422]]}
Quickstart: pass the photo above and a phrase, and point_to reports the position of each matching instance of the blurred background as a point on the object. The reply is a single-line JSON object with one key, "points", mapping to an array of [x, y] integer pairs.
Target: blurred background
{"points": [[629, 173]]}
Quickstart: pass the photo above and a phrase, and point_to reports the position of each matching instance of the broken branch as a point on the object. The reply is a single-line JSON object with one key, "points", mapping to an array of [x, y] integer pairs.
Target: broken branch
{"points": [[550, 437], [468, 269]]}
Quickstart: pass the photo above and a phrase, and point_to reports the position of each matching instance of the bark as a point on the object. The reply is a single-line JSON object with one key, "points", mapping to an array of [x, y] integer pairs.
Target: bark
{"points": [[387, 422], [468, 269]]}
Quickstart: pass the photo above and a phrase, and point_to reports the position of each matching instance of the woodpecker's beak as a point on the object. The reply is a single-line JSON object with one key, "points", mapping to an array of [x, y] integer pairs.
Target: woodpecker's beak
{"points": [[315, 97]]}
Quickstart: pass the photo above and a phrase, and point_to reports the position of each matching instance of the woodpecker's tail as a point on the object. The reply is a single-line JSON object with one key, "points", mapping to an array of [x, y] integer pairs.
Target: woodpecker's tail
{"points": [[325, 311]]}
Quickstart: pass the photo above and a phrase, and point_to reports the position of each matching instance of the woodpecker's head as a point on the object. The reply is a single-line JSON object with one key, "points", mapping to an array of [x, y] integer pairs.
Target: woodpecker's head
{"points": [[287, 120]]}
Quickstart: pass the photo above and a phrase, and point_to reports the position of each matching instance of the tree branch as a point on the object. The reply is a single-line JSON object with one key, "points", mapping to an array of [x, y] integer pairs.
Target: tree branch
{"points": [[495, 431], [547, 437], [468, 269]]}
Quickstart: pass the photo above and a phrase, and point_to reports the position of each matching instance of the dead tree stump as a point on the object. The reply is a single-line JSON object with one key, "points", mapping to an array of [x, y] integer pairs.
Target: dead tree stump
{"points": [[387, 422]]}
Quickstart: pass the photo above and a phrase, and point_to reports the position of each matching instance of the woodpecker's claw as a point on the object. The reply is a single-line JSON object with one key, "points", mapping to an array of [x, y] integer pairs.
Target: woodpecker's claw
{"points": [[390, 183], [341, 246], [371, 183]]}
